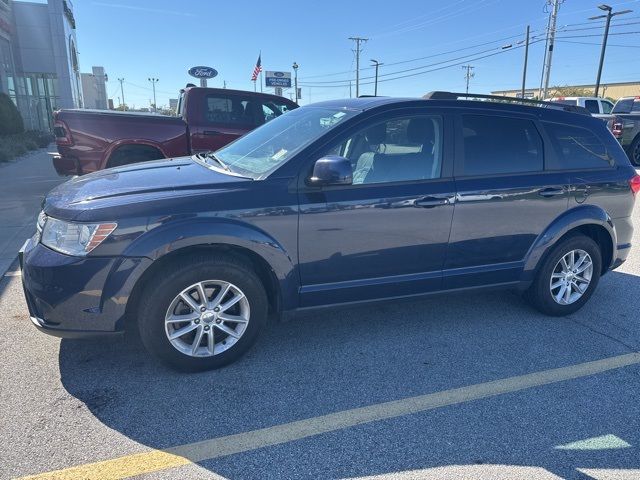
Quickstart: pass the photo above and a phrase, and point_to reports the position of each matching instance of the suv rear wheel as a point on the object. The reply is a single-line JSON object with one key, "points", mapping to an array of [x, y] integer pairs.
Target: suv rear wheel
{"points": [[202, 312], [567, 277]]}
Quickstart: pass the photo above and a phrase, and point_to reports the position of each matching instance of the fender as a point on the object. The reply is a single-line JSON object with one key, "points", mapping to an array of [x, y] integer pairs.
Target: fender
{"points": [[128, 141], [182, 233], [575, 217]]}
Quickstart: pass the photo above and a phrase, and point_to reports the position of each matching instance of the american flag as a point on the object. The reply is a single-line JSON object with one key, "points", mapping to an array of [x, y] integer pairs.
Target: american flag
{"points": [[257, 69]]}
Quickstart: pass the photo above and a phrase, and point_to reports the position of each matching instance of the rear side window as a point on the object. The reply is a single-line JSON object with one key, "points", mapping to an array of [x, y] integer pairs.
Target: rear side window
{"points": [[229, 110], [606, 106], [500, 145], [577, 147], [592, 106]]}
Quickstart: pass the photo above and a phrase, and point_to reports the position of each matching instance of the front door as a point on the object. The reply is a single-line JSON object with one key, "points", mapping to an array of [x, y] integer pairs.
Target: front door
{"points": [[386, 234]]}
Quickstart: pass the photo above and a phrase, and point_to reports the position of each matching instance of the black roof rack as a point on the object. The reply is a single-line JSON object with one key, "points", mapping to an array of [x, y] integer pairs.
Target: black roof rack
{"points": [[524, 101]]}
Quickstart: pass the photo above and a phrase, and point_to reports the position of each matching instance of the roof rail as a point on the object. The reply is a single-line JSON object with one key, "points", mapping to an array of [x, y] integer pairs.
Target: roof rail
{"points": [[438, 95]]}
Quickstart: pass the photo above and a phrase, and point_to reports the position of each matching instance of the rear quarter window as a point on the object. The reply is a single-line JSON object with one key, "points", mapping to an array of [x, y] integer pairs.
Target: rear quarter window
{"points": [[577, 148], [495, 145]]}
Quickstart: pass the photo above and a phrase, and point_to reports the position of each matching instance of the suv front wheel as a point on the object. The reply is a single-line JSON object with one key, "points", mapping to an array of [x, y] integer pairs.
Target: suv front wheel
{"points": [[567, 277], [202, 312]]}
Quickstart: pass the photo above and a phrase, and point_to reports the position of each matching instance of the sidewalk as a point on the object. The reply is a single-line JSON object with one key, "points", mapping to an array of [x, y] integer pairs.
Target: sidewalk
{"points": [[23, 183]]}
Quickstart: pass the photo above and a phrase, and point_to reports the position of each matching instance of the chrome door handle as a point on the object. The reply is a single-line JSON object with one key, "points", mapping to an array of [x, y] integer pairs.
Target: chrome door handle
{"points": [[430, 202]]}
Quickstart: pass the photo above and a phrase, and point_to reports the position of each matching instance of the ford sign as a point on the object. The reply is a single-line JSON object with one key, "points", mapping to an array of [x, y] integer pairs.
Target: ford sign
{"points": [[203, 72]]}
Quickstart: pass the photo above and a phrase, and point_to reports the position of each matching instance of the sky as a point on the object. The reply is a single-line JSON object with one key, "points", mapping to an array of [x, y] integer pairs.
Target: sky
{"points": [[422, 44]]}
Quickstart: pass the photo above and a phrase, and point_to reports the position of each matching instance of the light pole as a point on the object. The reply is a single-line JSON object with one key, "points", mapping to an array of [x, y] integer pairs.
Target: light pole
{"points": [[295, 75], [153, 83], [608, 16], [377, 64], [121, 80]]}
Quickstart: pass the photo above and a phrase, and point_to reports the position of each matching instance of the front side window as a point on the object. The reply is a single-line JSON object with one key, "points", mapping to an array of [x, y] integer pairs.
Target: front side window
{"points": [[500, 145], [266, 148], [395, 150], [577, 147]]}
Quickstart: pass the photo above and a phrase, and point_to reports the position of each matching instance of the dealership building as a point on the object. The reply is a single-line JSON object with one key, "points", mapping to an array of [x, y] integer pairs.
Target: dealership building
{"points": [[39, 60], [610, 90]]}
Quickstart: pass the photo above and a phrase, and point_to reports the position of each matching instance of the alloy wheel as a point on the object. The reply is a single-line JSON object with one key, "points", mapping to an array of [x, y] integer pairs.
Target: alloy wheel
{"points": [[571, 277], [207, 318]]}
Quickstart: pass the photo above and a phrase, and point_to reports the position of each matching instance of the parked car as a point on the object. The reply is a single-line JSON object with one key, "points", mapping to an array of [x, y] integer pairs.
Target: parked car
{"points": [[338, 202], [596, 105], [207, 119], [624, 122]]}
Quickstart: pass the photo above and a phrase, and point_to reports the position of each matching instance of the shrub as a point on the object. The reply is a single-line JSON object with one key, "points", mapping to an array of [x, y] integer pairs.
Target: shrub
{"points": [[10, 119], [42, 139], [30, 144]]}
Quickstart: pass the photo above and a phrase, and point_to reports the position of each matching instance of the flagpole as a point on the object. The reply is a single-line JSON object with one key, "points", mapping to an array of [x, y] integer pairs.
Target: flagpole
{"points": [[260, 80], [254, 85]]}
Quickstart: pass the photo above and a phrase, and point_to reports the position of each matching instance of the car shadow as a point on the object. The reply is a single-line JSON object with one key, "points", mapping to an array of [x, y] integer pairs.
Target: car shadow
{"points": [[332, 360]]}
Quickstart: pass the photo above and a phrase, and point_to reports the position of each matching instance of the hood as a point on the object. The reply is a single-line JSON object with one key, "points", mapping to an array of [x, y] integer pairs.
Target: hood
{"points": [[141, 181]]}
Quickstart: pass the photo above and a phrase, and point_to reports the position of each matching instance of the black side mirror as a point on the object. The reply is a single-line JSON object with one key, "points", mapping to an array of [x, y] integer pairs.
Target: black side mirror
{"points": [[331, 170]]}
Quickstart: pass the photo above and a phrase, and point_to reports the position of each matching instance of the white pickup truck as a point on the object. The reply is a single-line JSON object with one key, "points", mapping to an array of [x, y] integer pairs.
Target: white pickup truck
{"points": [[597, 106]]}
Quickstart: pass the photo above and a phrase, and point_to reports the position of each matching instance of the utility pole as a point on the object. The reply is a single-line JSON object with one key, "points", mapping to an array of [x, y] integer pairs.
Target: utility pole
{"points": [[526, 59], [469, 75], [153, 83], [295, 74], [121, 80], [608, 16], [551, 35], [377, 64], [358, 41]]}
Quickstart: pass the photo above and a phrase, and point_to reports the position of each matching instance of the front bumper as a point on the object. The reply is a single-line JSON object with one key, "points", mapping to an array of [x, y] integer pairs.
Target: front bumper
{"points": [[74, 296]]}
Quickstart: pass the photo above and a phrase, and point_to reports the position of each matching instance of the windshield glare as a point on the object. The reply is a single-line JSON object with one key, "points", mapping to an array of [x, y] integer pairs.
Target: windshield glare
{"points": [[271, 145]]}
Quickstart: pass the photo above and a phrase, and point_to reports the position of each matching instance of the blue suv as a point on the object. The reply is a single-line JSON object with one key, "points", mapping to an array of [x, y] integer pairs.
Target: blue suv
{"points": [[334, 203]]}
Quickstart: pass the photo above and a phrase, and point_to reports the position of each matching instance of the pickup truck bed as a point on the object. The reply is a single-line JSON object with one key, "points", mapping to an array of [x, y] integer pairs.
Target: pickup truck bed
{"points": [[97, 134], [208, 119]]}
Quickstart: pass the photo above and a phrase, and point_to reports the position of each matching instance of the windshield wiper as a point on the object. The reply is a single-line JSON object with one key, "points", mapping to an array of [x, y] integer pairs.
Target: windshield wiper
{"points": [[213, 157]]}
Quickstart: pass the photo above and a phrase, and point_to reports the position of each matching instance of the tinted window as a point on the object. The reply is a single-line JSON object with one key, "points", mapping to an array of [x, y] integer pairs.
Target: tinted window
{"points": [[578, 147], [592, 106], [395, 150], [606, 106], [229, 110], [627, 105], [495, 145]]}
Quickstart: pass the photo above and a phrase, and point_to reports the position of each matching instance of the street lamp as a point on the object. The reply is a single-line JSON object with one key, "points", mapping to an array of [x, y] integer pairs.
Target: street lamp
{"points": [[377, 64], [608, 16], [295, 74]]}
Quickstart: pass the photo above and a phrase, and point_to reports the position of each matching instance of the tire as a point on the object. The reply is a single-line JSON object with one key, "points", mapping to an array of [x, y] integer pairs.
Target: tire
{"points": [[161, 304], [121, 160], [634, 152], [541, 295]]}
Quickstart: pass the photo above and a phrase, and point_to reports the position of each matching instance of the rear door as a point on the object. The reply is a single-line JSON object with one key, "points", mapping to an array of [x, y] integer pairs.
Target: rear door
{"points": [[505, 197], [220, 118]]}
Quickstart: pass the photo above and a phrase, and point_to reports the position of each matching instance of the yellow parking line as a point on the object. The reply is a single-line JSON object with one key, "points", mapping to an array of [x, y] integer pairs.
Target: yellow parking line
{"points": [[155, 460]]}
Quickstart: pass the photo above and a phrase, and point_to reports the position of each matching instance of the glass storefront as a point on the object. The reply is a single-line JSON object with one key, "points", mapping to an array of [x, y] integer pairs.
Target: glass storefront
{"points": [[36, 95]]}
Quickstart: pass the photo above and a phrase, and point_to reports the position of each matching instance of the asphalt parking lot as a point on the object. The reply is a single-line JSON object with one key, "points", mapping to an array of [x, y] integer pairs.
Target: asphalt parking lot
{"points": [[459, 386]]}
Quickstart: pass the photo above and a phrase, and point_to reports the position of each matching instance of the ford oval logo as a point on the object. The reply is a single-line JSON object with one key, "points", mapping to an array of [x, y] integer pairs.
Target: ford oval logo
{"points": [[203, 72], [278, 74]]}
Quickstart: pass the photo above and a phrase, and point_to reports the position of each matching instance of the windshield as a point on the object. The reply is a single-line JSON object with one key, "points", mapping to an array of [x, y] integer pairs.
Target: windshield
{"points": [[266, 148]]}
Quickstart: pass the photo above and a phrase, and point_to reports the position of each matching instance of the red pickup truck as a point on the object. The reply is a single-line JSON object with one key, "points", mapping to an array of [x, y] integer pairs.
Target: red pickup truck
{"points": [[207, 119]]}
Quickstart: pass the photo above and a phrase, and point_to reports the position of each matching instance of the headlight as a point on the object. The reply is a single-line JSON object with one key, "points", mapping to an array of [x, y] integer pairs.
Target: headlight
{"points": [[74, 238]]}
